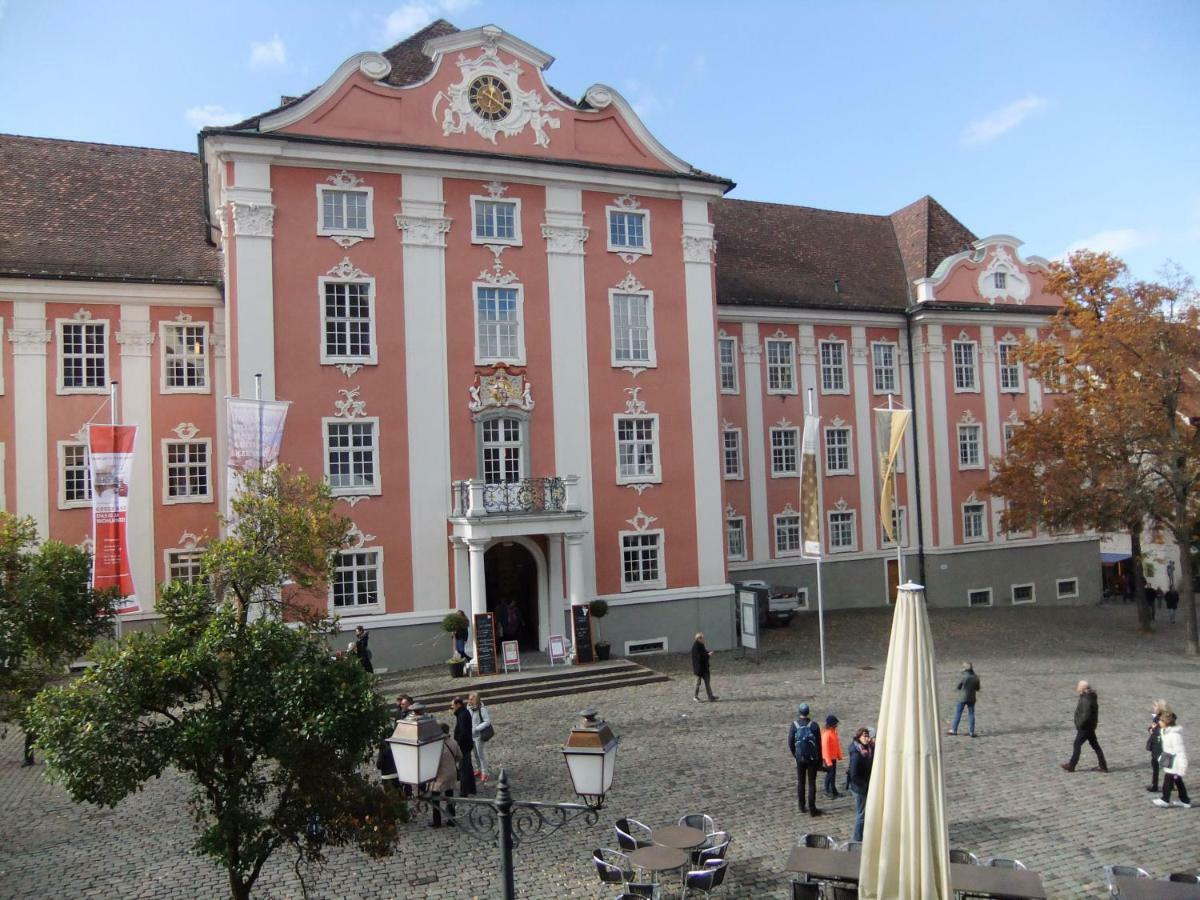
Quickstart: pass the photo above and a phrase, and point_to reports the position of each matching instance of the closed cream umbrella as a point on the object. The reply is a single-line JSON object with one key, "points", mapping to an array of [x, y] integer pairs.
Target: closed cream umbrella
{"points": [[906, 847]]}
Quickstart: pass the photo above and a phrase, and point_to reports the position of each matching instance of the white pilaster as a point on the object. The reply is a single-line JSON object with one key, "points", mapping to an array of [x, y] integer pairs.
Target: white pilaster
{"points": [[575, 569], [462, 575], [427, 390], [28, 337], [565, 236], [756, 459], [991, 417], [863, 427], [559, 611], [698, 249], [254, 230], [923, 414], [476, 547], [136, 341], [910, 470], [936, 357], [220, 369], [1032, 385]]}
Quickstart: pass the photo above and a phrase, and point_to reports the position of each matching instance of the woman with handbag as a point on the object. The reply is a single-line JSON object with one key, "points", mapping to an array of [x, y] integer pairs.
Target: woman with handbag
{"points": [[481, 730], [1174, 764]]}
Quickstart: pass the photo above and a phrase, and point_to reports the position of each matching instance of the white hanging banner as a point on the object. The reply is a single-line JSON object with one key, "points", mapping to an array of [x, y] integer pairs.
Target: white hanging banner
{"points": [[255, 436]]}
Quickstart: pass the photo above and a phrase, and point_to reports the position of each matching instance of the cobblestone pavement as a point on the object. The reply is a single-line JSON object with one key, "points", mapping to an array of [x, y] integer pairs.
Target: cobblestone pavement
{"points": [[1005, 793]]}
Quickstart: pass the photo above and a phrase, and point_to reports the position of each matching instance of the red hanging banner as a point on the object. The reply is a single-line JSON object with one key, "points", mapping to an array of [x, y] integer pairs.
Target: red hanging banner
{"points": [[111, 450]]}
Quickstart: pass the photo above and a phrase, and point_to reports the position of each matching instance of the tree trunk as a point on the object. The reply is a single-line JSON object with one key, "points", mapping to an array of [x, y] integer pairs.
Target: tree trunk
{"points": [[1139, 578], [1187, 595], [238, 889]]}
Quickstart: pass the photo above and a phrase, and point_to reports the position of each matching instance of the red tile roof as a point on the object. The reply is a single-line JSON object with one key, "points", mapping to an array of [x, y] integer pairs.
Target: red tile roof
{"points": [[77, 210], [927, 234]]}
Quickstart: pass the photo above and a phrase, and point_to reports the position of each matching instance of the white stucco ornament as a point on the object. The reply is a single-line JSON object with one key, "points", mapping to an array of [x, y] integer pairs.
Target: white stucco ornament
{"points": [[1012, 285], [528, 109]]}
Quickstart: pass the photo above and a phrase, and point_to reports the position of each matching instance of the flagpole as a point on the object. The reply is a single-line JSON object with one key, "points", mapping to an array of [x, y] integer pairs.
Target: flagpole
{"points": [[820, 553], [258, 400], [112, 420]]}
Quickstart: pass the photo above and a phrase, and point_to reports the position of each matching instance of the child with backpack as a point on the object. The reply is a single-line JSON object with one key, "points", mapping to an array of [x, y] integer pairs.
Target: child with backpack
{"points": [[804, 744]]}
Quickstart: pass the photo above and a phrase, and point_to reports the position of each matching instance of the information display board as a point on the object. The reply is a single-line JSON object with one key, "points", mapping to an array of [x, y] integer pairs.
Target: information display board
{"points": [[748, 611], [512, 655], [581, 632], [556, 648], [485, 644]]}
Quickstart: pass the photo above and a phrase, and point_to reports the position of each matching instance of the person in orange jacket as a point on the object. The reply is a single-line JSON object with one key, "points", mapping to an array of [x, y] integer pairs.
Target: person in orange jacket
{"points": [[831, 752]]}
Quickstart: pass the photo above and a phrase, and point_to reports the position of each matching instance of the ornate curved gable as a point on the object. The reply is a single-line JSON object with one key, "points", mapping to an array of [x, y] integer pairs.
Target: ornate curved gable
{"points": [[991, 274]]}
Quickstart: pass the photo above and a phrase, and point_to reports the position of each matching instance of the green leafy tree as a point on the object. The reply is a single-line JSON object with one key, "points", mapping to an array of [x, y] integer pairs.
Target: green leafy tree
{"points": [[49, 615], [272, 730]]}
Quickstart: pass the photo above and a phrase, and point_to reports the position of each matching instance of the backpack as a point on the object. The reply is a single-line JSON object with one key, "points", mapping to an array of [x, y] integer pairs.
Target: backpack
{"points": [[807, 745]]}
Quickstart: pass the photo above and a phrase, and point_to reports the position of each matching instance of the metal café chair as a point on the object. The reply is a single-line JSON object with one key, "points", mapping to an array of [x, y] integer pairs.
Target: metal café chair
{"points": [[818, 841], [1003, 862], [699, 821], [964, 857], [857, 845], [706, 880], [612, 867], [805, 890], [643, 889], [844, 892], [1110, 873], [1182, 878], [632, 835], [718, 846]]}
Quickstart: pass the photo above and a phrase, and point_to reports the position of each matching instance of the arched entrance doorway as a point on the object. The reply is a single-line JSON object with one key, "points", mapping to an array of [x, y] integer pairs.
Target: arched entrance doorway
{"points": [[511, 573]]}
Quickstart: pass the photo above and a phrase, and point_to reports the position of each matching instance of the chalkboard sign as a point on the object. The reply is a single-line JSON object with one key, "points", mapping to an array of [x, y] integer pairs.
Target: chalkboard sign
{"points": [[485, 644], [581, 630]]}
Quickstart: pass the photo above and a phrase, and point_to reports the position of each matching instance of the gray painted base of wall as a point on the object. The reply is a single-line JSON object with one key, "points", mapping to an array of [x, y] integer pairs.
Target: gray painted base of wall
{"points": [[403, 646]]}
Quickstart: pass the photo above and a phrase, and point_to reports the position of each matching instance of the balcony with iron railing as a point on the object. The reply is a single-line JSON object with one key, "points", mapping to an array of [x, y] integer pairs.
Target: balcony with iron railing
{"points": [[546, 496]]}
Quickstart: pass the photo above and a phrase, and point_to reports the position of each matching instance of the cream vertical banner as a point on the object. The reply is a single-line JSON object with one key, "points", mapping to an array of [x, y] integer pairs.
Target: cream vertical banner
{"points": [[890, 425], [255, 435], [810, 503], [110, 449]]}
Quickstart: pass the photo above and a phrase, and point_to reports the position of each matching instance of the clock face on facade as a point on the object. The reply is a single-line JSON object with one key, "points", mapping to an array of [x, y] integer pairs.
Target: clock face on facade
{"points": [[490, 98]]}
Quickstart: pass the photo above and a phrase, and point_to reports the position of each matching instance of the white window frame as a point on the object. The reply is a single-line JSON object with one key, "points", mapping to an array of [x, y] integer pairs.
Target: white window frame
{"points": [[740, 522], [791, 366], [1007, 431], [164, 331], [979, 463], [654, 477], [901, 517], [652, 362], [480, 359], [661, 581], [775, 533], [194, 554], [795, 431], [1058, 588], [63, 502], [892, 371], [365, 609], [515, 203], [642, 250], [853, 514], [982, 537], [331, 359], [323, 231], [165, 446], [1000, 280], [733, 367], [843, 367], [1003, 349], [370, 491], [739, 474], [973, 388], [1032, 594], [986, 590], [849, 470], [60, 325]]}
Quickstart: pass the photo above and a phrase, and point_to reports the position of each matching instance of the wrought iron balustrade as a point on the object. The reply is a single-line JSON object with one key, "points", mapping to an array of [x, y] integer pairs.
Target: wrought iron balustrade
{"points": [[525, 496]]}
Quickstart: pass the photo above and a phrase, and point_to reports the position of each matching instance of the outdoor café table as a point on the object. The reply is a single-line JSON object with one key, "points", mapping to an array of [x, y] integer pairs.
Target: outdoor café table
{"points": [[658, 859], [842, 865], [681, 837], [1132, 888]]}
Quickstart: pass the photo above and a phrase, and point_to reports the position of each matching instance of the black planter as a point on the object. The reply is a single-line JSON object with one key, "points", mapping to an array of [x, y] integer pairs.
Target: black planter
{"points": [[456, 669], [602, 650]]}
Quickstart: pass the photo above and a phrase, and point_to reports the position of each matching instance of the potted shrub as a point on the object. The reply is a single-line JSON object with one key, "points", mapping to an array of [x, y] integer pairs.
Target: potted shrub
{"points": [[454, 624], [457, 664], [599, 609]]}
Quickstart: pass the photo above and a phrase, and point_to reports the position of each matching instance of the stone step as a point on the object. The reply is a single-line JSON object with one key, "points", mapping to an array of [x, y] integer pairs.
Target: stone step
{"points": [[534, 673]]}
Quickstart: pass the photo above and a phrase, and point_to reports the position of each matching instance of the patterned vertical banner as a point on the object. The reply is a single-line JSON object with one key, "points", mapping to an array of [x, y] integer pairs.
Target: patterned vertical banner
{"points": [[810, 506], [110, 448], [890, 425], [255, 438]]}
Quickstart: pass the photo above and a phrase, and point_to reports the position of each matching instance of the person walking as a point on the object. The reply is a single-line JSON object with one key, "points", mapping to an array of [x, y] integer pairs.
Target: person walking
{"points": [[968, 687], [1172, 601], [481, 731], [862, 754], [1154, 742], [462, 737], [831, 752], [361, 650], [804, 743], [447, 775], [700, 655], [1174, 764], [1087, 717], [460, 641]]}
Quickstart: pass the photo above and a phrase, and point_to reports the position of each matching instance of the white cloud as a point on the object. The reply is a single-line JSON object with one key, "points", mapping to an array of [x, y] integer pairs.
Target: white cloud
{"points": [[413, 16], [1115, 240], [211, 114], [268, 53], [1002, 120]]}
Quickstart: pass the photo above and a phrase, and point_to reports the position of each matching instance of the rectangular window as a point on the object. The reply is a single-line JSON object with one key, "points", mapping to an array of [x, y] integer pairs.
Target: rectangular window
{"points": [[964, 366], [732, 453], [498, 325], [632, 329], [999, 280], [344, 212], [883, 364], [496, 221], [186, 472], [970, 449], [83, 357], [74, 476], [833, 367], [1068, 588], [628, 230], [784, 458], [781, 366], [1010, 429], [348, 315], [184, 565], [351, 449], [735, 538], [356, 579], [1010, 369], [974, 522], [899, 515], [1023, 593], [979, 597], [637, 449], [787, 535], [842, 537], [185, 357], [727, 360], [641, 560], [837, 452]]}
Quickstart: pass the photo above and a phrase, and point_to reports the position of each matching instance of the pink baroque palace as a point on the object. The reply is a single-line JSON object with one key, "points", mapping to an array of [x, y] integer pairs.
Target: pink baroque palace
{"points": [[537, 356]]}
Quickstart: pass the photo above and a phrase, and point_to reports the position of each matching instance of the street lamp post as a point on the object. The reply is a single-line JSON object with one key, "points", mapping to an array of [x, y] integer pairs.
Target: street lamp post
{"points": [[591, 755]]}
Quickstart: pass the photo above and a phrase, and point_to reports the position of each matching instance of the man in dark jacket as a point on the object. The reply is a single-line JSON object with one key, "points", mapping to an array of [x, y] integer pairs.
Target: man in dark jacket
{"points": [[361, 650], [466, 743], [1172, 601], [700, 655], [968, 687], [804, 743], [1087, 717]]}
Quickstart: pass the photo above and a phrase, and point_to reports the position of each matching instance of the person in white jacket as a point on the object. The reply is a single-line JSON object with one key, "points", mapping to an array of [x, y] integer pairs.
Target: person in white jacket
{"points": [[1174, 764], [481, 731]]}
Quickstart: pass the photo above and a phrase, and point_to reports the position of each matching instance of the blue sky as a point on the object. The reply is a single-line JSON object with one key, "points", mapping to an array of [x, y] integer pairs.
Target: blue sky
{"points": [[1061, 123]]}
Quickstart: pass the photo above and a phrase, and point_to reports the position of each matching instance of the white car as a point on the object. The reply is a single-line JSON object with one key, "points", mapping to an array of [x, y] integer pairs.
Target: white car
{"points": [[783, 602]]}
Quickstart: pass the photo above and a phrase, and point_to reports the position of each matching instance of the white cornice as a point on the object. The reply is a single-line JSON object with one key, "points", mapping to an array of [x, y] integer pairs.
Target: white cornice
{"points": [[601, 96], [371, 64], [490, 35], [53, 291], [1004, 317]]}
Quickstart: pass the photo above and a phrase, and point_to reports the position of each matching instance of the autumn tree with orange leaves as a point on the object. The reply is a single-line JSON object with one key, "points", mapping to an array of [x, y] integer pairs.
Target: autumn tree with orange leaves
{"points": [[1117, 447]]}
